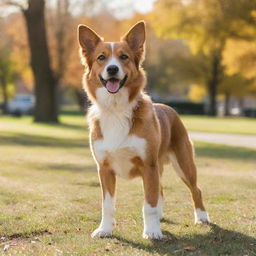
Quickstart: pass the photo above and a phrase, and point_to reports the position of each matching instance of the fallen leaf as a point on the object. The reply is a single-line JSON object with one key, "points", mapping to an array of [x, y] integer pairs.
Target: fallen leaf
{"points": [[6, 247], [190, 248]]}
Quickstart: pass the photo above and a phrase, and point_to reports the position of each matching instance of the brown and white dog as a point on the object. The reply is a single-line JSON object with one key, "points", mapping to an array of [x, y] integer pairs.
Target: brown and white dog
{"points": [[129, 135]]}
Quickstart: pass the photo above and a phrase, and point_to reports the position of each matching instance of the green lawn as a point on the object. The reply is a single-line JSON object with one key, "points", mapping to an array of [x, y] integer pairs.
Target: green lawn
{"points": [[239, 125], [50, 198]]}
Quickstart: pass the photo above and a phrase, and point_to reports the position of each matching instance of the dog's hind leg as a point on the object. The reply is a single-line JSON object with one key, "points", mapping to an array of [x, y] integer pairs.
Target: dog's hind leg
{"points": [[182, 158], [160, 204]]}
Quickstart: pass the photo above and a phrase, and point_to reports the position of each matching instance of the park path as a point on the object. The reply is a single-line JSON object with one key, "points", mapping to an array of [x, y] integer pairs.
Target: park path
{"points": [[223, 138]]}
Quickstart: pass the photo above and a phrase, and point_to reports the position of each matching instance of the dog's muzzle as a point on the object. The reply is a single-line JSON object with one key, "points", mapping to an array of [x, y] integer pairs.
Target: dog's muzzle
{"points": [[113, 85]]}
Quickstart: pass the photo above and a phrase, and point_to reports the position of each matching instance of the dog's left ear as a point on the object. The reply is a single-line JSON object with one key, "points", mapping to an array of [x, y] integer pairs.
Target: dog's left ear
{"points": [[135, 38]]}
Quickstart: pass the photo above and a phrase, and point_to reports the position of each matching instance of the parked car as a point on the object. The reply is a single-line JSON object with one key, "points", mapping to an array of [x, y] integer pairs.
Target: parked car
{"points": [[21, 105]]}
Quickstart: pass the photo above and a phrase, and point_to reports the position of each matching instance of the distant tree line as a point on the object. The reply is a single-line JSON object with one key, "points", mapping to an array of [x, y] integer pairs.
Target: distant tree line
{"points": [[205, 45]]}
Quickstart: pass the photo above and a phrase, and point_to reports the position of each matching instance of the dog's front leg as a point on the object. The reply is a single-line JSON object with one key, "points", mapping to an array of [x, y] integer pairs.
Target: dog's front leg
{"points": [[151, 182], [108, 184]]}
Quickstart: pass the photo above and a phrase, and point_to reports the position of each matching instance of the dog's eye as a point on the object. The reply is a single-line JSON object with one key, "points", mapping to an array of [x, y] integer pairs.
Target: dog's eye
{"points": [[124, 57], [101, 57]]}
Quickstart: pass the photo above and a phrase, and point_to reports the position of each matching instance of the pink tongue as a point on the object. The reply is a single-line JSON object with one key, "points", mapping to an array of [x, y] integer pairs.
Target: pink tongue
{"points": [[112, 86]]}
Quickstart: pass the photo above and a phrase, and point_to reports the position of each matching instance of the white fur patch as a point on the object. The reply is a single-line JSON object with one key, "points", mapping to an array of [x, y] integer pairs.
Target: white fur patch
{"points": [[107, 220], [113, 61], [176, 165], [151, 222], [115, 116], [201, 216]]}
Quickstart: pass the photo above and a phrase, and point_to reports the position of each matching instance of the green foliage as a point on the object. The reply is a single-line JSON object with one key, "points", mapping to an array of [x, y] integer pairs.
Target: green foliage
{"points": [[250, 112], [206, 26], [187, 107]]}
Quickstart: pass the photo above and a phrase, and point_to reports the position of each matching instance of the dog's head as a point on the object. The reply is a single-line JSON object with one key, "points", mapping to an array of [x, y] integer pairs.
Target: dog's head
{"points": [[113, 65]]}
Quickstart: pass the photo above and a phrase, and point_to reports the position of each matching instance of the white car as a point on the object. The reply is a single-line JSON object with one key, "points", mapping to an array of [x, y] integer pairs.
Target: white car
{"points": [[21, 104]]}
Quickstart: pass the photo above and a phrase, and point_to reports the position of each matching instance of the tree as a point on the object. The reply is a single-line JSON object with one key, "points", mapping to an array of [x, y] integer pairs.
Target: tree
{"points": [[206, 25], [45, 82]]}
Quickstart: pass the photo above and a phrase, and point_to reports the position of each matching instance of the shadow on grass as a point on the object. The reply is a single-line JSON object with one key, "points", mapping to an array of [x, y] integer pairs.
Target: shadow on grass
{"points": [[71, 167], [65, 125], [74, 167], [167, 221], [71, 126], [217, 241], [39, 140], [25, 235], [222, 151]]}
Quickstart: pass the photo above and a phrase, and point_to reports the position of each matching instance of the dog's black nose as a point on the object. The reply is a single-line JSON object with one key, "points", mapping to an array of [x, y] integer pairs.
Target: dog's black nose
{"points": [[112, 69]]}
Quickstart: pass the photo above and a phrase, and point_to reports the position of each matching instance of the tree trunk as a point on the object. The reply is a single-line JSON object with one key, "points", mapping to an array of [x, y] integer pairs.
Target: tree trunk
{"points": [[226, 104], [213, 82], [212, 91], [5, 96], [45, 83]]}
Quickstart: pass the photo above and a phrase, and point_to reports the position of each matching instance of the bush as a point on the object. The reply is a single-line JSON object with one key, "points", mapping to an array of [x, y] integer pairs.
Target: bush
{"points": [[187, 107], [250, 112]]}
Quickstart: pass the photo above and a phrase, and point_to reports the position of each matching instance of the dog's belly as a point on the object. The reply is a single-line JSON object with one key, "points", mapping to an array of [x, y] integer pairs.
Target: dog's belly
{"points": [[120, 157]]}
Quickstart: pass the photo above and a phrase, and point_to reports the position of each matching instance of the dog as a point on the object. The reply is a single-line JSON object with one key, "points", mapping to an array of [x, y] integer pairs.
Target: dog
{"points": [[129, 135]]}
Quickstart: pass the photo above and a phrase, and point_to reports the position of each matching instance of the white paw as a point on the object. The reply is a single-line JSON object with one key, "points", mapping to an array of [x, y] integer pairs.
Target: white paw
{"points": [[201, 217], [101, 233], [153, 235]]}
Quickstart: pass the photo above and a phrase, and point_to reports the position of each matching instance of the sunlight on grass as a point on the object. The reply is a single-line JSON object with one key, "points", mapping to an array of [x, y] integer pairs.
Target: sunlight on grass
{"points": [[50, 198], [220, 124]]}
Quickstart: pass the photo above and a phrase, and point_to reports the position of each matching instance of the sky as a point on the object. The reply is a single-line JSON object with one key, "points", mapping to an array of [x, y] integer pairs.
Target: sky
{"points": [[126, 8], [119, 8]]}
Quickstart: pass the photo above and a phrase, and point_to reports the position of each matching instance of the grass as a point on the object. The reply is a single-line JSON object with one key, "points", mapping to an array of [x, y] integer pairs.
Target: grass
{"points": [[50, 198], [240, 125]]}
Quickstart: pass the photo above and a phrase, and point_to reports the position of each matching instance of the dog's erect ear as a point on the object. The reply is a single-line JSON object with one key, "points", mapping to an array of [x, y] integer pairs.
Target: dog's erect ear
{"points": [[88, 40], [135, 38]]}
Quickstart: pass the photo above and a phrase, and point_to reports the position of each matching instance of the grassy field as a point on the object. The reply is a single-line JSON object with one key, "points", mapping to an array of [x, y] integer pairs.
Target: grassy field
{"points": [[221, 124], [50, 198]]}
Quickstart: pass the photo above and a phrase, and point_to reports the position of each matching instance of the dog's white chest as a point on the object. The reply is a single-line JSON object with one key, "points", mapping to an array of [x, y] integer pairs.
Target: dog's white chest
{"points": [[119, 149], [117, 146]]}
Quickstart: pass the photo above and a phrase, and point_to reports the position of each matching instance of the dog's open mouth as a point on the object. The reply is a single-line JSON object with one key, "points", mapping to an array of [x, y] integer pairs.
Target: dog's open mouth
{"points": [[113, 85]]}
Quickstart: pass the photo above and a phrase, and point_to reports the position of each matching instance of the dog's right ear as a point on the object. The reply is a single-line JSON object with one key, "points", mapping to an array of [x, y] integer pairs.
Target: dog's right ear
{"points": [[88, 40]]}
